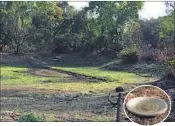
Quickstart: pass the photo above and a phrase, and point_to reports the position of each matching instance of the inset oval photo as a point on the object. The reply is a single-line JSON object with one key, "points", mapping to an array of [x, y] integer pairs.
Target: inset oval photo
{"points": [[147, 105]]}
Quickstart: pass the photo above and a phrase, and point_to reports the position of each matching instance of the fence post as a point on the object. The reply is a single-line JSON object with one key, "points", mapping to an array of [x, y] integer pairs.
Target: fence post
{"points": [[119, 107]]}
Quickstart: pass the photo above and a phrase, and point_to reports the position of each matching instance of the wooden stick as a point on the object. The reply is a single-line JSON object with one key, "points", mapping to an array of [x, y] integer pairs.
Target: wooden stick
{"points": [[119, 107]]}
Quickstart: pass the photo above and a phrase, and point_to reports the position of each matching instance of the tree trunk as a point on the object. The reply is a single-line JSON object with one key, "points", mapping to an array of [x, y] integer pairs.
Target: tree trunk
{"points": [[17, 49]]}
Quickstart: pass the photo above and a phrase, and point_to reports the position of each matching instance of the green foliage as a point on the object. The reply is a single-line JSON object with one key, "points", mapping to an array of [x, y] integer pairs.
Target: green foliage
{"points": [[24, 22], [167, 30], [132, 33], [171, 64], [40, 26], [31, 118], [65, 43], [130, 54], [108, 19], [104, 27]]}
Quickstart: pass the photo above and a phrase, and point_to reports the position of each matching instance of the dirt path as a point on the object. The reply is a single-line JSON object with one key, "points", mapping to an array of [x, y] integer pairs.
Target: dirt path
{"points": [[76, 103]]}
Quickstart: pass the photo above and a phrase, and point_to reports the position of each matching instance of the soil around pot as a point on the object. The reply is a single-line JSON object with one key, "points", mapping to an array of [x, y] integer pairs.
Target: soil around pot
{"points": [[152, 92]]}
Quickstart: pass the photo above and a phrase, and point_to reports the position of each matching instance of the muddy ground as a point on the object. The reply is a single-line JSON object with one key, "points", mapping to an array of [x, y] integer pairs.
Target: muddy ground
{"points": [[57, 103], [64, 105]]}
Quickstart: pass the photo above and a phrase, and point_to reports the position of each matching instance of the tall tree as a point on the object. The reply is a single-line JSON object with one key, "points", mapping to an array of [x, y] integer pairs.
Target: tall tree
{"points": [[106, 21], [18, 19]]}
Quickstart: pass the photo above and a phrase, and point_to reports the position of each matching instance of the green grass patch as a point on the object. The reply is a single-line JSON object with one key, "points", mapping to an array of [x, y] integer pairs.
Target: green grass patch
{"points": [[118, 76], [12, 79], [81, 87], [16, 76]]}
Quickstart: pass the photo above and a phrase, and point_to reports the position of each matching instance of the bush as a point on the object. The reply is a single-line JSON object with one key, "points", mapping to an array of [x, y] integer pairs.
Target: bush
{"points": [[130, 54], [31, 118], [149, 58], [171, 64]]}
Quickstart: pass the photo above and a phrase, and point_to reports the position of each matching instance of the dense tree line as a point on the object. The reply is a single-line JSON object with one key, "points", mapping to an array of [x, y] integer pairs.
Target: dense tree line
{"points": [[103, 27], [56, 26]]}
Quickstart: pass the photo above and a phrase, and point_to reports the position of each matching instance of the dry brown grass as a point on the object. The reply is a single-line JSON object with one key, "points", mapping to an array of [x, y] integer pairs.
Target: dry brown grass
{"points": [[160, 55]]}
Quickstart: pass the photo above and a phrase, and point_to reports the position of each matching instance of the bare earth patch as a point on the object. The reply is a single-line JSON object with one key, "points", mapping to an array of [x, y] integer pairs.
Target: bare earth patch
{"points": [[48, 73], [58, 104]]}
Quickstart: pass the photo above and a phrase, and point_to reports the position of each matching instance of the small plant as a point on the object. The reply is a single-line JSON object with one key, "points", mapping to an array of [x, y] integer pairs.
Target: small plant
{"points": [[130, 54], [31, 118], [171, 64]]}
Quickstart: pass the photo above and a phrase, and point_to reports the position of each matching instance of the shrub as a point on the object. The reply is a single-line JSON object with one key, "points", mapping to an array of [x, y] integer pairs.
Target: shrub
{"points": [[171, 64], [31, 118], [148, 58], [130, 54], [148, 53]]}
